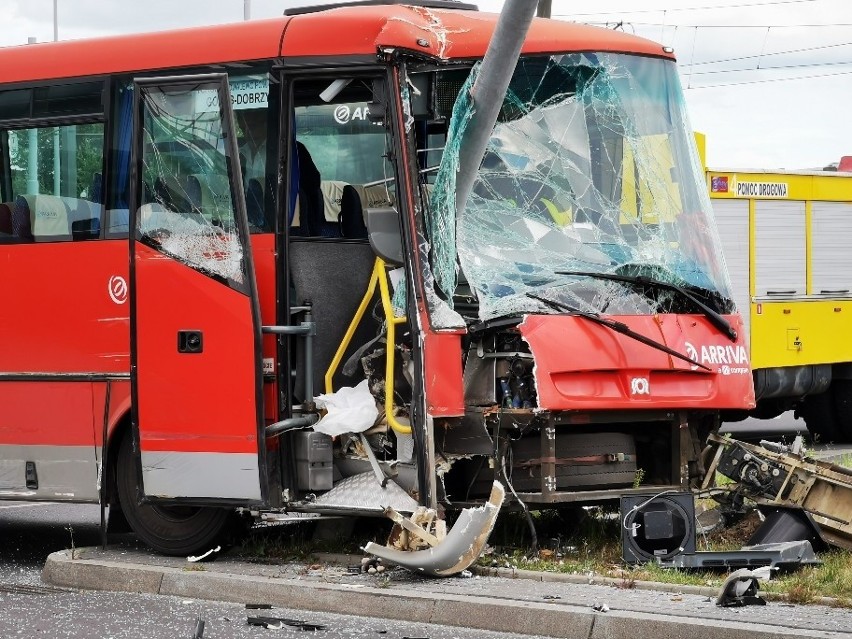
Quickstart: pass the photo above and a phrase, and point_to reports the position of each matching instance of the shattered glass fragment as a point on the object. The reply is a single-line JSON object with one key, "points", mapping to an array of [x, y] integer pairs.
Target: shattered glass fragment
{"points": [[187, 209], [591, 168]]}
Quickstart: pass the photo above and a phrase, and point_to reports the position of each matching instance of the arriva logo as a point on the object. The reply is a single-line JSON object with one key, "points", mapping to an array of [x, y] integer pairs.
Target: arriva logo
{"points": [[117, 288], [731, 359], [691, 353], [640, 386]]}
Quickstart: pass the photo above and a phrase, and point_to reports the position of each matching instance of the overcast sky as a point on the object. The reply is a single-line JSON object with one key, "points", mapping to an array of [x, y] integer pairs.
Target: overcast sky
{"points": [[768, 81]]}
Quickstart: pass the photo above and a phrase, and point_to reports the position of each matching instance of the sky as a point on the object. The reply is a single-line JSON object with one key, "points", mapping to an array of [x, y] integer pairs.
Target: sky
{"points": [[768, 81]]}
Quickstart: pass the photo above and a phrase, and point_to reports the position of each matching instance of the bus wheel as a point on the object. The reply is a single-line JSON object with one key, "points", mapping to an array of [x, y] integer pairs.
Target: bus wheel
{"points": [[820, 417], [171, 530], [842, 396]]}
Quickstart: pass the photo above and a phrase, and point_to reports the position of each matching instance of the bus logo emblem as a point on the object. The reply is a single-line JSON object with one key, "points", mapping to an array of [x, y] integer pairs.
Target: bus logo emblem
{"points": [[117, 289], [640, 386]]}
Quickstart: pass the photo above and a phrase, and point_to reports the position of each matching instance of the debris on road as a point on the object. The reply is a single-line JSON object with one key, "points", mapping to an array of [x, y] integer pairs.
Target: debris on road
{"points": [[740, 589]]}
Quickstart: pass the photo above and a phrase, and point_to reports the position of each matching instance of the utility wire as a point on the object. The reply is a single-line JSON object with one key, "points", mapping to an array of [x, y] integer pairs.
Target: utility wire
{"points": [[789, 79], [806, 65], [767, 55], [707, 8], [725, 26]]}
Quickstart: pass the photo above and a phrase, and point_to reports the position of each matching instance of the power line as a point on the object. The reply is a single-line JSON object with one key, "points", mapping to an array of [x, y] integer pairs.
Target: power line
{"points": [[807, 65], [682, 9], [767, 55], [791, 78], [726, 26]]}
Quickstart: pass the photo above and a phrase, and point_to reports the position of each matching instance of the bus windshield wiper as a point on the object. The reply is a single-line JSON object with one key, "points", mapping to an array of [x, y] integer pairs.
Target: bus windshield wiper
{"points": [[722, 324], [618, 327]]}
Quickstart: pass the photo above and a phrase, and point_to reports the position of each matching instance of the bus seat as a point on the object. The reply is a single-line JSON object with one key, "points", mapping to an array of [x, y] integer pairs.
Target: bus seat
{"points": [[162, 193], [84, 216], [311, 207], [193, 193], [48, 217], [208, 194], [21, 226], [331, 277], [254, 203], [352, 223], [5, 219], [96, 190], [332, 194]]}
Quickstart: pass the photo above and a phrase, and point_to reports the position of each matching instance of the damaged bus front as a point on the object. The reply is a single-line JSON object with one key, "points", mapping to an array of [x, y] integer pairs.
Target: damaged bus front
{"points": [[579, 337], [547, 311]]}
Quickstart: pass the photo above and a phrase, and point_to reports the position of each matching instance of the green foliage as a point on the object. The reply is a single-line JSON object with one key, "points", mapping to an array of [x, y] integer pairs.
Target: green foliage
{"points": [[80, 145]]}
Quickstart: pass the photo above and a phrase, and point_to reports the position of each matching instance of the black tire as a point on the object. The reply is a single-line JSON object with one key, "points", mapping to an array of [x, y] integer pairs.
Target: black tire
{"points": [[171, 530], [820, 417], [841, 395]]}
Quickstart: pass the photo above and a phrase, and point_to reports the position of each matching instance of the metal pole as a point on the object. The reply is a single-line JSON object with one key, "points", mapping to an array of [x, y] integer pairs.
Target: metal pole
{"points": [[489, 90], [246, 9], [544, 8], [56, 159]]}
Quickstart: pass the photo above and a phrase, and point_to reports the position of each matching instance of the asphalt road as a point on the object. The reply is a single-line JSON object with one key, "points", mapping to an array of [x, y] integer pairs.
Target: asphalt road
{"points": [[28, 608]]}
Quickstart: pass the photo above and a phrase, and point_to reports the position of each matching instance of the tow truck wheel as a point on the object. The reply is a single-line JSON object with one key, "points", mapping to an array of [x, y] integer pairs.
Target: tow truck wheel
{"points": [[171, 530], [841, 390], [820, 417]]}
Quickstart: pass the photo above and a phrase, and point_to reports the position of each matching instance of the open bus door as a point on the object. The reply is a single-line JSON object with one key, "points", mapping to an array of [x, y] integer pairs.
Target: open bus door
{"points": [[195, 322]]}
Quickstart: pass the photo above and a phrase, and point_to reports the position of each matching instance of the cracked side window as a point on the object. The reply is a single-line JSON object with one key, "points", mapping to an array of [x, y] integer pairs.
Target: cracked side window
{"points": [[591, 169], [187, 208]]}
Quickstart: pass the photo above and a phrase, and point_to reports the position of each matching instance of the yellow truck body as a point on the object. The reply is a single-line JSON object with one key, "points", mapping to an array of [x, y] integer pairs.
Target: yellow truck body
{"points": [[787, 239]]}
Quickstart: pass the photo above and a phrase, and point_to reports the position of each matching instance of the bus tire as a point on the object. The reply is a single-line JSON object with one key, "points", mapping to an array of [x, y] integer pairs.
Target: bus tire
{"points": [[820, 417], [171, 530], [841, 390]]}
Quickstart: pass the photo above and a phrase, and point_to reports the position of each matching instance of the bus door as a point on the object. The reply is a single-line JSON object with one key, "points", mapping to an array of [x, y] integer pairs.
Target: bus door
{"points": [[195, 324]]}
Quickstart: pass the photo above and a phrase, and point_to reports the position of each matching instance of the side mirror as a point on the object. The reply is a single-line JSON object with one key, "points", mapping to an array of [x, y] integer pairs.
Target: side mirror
{"points": [[383, 232]]}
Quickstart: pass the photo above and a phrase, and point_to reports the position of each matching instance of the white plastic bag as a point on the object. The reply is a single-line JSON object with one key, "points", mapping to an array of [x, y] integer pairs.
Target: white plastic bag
{"points": [[350, 410]]}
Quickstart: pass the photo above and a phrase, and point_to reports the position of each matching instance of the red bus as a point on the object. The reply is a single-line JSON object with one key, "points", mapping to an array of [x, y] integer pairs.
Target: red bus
{"points": [[201, 230]]}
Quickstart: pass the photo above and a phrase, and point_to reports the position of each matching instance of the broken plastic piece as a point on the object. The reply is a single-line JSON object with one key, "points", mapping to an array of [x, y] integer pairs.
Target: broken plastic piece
{"points": [[208, 554], [459, 549], [199, 629], [277, 623], [350, 410], [740, 589]]}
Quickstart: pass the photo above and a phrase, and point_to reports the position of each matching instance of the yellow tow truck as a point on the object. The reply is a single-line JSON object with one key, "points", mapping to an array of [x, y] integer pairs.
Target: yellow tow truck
{"points": [[787, 239]]}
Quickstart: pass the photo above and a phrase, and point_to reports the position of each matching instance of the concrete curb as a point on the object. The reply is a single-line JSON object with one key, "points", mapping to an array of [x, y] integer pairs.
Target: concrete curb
{"points": [[561, 577], [404, 604]]}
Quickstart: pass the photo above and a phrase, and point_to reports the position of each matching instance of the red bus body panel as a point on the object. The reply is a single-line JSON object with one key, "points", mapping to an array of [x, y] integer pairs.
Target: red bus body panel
{"points": [[339, 32], [444, 384], [580, 365], [199, 401]]}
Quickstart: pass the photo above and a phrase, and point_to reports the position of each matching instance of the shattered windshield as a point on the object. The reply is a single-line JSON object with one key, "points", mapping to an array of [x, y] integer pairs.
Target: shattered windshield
{"points": [[590, 169]]}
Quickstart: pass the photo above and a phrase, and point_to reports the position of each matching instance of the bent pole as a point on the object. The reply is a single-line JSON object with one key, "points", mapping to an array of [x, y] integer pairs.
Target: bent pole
{"points": [[488, 91]]}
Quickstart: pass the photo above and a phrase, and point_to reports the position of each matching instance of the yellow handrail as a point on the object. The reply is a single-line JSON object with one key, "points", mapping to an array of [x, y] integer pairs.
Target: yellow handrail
{"points": [[379, 276]]}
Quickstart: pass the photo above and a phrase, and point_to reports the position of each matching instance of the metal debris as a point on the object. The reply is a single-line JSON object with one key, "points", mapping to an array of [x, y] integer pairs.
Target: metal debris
{"points": [[277, 623], [740, 589], [459, 549]]}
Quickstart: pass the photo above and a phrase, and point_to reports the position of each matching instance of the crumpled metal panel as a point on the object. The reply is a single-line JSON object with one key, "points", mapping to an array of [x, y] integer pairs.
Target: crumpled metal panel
{"points": [[458, 550]]}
